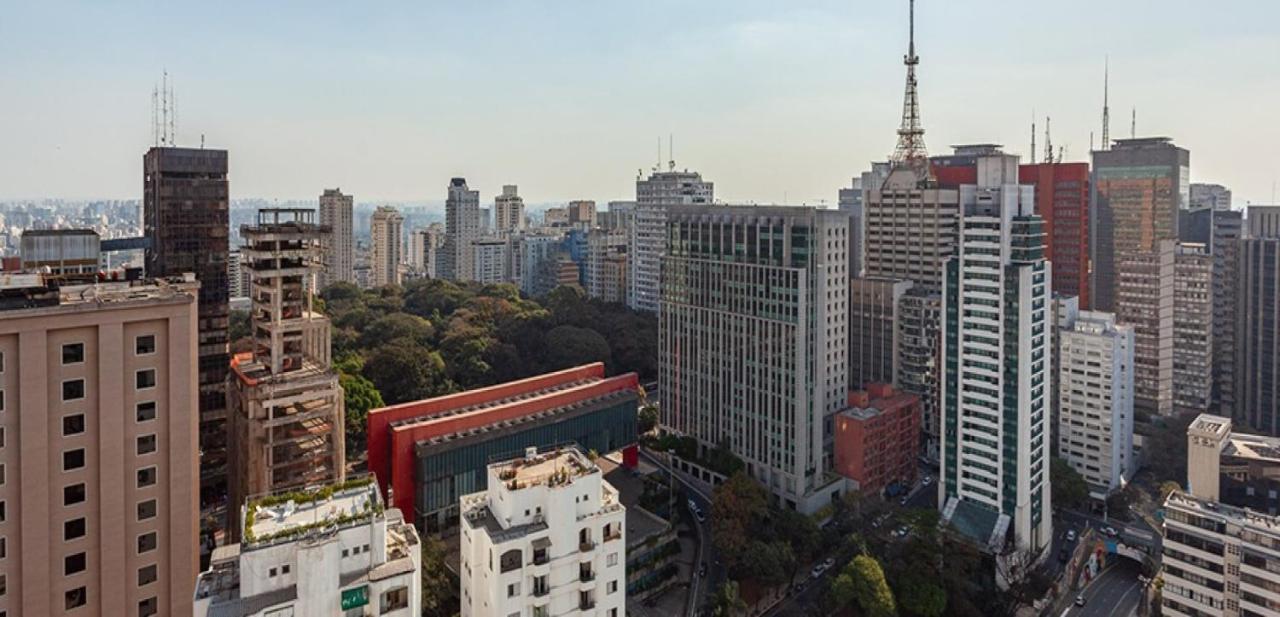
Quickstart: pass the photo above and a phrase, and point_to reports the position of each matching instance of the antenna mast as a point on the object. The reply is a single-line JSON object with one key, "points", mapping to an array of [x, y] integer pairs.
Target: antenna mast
{"points": [[911, 150], [1048, 143], [1033, 136], [1133, 124], [1106, 108], [671, 152]]}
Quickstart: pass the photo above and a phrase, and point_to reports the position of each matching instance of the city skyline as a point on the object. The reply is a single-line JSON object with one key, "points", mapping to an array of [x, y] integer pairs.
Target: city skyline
{"points": [[777, 104]]}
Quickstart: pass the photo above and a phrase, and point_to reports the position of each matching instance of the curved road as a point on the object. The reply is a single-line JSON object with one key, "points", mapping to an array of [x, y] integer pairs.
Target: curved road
{"points": [[1116, 592], [698, 592]]}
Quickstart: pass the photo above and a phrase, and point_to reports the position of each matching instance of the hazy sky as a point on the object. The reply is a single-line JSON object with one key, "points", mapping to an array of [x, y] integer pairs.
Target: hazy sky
{"points": [[770, 100]]}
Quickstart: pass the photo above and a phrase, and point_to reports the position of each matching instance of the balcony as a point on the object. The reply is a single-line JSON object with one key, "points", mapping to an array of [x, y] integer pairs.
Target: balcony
{"points": [[540, 557], [586, 576], [541, 591], [613, 535], [586, 546], [586, 605]]}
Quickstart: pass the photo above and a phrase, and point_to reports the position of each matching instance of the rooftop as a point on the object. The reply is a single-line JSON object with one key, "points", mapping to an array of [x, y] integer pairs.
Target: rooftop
{"points": [[555, 468], [1244, 517], [289, 514], [32, 291], [1254, 447]]}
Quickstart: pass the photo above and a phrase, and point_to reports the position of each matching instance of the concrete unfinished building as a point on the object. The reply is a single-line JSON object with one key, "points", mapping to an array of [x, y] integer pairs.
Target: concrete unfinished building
{"points": [[286, 405]]}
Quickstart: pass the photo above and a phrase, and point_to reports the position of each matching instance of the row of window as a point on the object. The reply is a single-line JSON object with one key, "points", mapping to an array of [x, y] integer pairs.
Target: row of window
{"points": [[73, 353]]}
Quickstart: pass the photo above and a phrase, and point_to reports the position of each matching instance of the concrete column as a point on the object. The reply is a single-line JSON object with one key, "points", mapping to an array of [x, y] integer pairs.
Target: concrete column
{"points": [[115, 478], [34, 491]]}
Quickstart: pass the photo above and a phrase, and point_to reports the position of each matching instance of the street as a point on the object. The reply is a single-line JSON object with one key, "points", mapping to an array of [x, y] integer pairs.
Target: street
{"points": [[1116, 593], [700, 587]]}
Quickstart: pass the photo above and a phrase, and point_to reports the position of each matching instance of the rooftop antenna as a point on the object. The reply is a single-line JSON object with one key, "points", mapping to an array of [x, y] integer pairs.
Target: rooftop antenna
{"points": [[1033, 136], [911, 150], [671, 152], [155, 115], [173, 117], [1091, 141], [1106, 107], [1048, 143], [658, 167], [1133, 124]]}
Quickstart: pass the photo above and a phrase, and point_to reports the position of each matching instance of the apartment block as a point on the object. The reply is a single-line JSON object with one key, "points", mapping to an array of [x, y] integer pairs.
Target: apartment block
{"points": [[582, 212], [647, 244], [911, 227], [753, 340], [606, 259], [424, 250], [508, 210], [1144, 299], [1193, 342], [490, 260], [287, 417], [386, 231], [873, 340], [461, 228], [877, 437], [99, 463], [330, 550], [338, 247], [547, 537], [1228, 228], [1095, 400]]}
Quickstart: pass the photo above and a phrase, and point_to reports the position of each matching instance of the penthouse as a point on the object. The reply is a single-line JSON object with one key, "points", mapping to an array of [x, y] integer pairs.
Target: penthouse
{"points": [[432, 452]]}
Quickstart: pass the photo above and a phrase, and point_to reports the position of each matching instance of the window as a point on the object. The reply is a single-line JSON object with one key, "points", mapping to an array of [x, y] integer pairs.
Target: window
{"points": [[72, 425], [73, 459], [72, 390], [1, 400], [145, 378], [76, 598], [271, 573], [146, 411], [1, 427], [146, 476], [611, 587], [4, 585], [285, 568], [4, 547], [147, 543], [611, 560], [146, 575], [146, 509], [1, 361], [146, 444], [513, 590], [1, 474], [393, 599], [148, 607], [73, 529], [73, 353], [73, 564], [144, 345], [73, 494]]}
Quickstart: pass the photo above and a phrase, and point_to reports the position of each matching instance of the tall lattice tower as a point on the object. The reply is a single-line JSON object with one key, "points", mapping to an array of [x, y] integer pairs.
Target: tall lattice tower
{"points": [[911, 151]]}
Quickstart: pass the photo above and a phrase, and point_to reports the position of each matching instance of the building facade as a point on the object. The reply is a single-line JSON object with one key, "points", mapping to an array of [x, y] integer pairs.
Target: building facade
{"points": [[336, 215], [606, 258], [994, 484], [647, 243], [1257, 326], [1138, 189], [1193, 342], [877, 439], [287, 416], [461, 228], [1144, 299], [61, 251], [1095, 400], [490, 260], [911, 226], [99, 464], [874, 304], [424, 250], [753, 341], [1062, 200], [508, 210], [1211, 196], [332, 550], [386, 228], [1228, 228], [582, 212], [919, 369], [185, 220], [547, 537]]}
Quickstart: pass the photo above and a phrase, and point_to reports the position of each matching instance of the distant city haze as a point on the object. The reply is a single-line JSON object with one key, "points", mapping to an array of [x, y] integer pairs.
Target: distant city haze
{"points": [[771, 101]]}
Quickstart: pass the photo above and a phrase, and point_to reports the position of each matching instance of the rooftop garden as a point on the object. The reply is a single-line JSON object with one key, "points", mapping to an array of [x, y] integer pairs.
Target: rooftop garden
{"points": [[302, 498]]}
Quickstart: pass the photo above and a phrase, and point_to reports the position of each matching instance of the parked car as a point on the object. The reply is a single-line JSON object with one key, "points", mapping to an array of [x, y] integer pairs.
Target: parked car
{"points": [[1111, 531], [828, 562], [1080, 600], [926, 481], [818, 570], [1071, 535], [700, 516]]}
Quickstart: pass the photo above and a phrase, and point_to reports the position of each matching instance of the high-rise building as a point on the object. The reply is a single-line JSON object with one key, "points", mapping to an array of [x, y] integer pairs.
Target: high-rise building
{"points": [[99, 464], [328, 550], [873, 340], [1139, 187], [753, 340], [910, 228], [508, 210], [461, 227], [1225, 246], [1095, 399], [286, 407], [1192, 329], [235, 275], [537, 256], [61, 251], [555, 217], [547, 537], [995, 465], [490, 259], [339, 245], [1211, 196], [424, 249], [853, 201], [1257, 325], [1062, 200], [647, 244], [619, 217], [919, 367], [606, 250], [582, 212], [1144, 299], [386, 227], [185, 219]]}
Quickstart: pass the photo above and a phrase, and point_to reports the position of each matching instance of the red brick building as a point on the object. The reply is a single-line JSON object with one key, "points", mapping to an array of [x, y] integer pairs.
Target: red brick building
{"points": [[1062, 200], [877, 438]]}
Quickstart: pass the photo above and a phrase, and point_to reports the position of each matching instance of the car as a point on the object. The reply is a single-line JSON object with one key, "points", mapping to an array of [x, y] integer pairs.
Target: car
{"points": [[1080, 600], [693, 506], [902, 502], [702, 570], [700, 516], [926, 481], [818, 570], [903, 531], [1071, 535], [1111, 531], [828, 562]]}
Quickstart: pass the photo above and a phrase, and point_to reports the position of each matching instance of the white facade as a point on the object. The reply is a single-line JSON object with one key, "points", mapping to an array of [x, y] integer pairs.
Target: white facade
{"points": [[547, 538], [508, 210], [235, 284], [461, 228], [533, 254], [385, 230], [490, 260], [648, 234], [424, 249], [995, 333], [369, 561], [1095, 399], [339, 245], [602, 247]]}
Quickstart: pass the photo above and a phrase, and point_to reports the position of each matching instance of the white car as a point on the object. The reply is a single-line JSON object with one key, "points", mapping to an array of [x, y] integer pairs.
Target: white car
{"points": [[818, 570], [1111, 531], [926, 481], [1071, 535]]}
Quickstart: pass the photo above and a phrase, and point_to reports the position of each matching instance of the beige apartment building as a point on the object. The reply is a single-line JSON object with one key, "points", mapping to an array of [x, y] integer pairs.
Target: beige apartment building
{"points": [[99, 458]]}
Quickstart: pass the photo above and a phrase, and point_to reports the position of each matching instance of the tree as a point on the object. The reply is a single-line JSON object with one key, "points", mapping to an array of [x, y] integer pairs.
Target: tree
{"points": [[569, 346], [239, 325], [727, 602], [921, 597], [1069, 488], [869, 587], [647, 419], [359, 395], [1166, 447], [738, 509], [404, 373], [341, 291], [397, 327], [439, 587]]}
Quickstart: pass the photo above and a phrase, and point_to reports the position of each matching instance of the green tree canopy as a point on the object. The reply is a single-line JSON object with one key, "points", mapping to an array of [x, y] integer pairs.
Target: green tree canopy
{"points": [[1069, 488], [405, 373], [870, 588], [569, 346], [359, 395], [397, 327]]}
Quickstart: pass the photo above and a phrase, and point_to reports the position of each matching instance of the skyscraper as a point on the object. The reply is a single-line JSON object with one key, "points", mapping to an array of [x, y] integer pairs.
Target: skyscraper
{"points": [[919, 365], [424, 249], [99, 465], [910, 228], [752, 338], [995, 464], [508, 210], [286, 407], [1139, 188], [1062, 200], [1193, 342], [1095, 399], [386, 228], [1144, 299], [1225, 246], [339, 244], [461, 227], [873, 340], [1211, 196], [655, 196], [1257, 326], [185, 219]]}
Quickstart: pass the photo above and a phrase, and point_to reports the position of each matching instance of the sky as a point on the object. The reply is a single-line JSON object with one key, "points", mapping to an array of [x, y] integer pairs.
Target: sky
{"points": [[772, 101]]}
